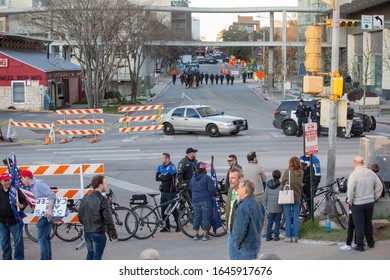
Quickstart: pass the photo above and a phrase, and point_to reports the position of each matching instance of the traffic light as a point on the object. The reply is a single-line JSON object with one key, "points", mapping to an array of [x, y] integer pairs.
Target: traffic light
{"points": [[349, 23], [313, 49], [313, 84], [337, 85]]}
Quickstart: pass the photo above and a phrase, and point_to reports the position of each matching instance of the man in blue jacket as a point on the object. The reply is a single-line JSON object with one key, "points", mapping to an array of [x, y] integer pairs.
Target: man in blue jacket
{"points": [[248, 223]]}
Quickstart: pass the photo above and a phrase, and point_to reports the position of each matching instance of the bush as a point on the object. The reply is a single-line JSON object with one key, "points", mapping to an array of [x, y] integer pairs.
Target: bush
{"points": [[354, 95]]}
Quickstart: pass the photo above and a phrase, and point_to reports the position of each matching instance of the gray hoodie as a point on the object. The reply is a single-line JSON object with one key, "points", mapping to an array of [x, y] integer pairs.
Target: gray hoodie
{"points": [[271, 196]]}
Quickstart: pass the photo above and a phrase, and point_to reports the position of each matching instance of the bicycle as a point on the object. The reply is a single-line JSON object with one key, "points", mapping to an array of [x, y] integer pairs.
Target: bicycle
{"points": [[125, 220], [186, 216], [327, 191], [149, 217]]}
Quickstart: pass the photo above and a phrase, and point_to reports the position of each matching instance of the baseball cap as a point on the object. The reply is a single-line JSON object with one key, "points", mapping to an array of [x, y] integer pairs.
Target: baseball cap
{"points": [[201, 165], [26, 173], [5, 176], [191, 150]]}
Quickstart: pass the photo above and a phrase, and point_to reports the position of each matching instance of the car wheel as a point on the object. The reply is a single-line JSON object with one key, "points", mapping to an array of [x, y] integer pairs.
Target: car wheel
{"points": [[373, 123], [341, 132], [168, 129], [289, 128], [367, 122], [212, 130], [234, 133]]}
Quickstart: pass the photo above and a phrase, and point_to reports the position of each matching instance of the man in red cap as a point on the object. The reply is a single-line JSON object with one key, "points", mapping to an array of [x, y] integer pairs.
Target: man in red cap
{"points": [[8, 223], [41, 190]]}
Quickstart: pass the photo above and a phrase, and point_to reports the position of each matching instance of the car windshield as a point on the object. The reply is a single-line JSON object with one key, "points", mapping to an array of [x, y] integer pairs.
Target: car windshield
{"points": [[208, 112]]}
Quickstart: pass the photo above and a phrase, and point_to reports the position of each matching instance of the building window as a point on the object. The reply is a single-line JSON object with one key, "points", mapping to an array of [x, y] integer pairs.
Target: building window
{"points": [[18, 92], [2, 2]]}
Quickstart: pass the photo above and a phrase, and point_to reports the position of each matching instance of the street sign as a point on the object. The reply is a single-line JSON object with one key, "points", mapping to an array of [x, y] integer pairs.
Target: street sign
{"points": [[378, 22], [310, 144], [366, 22]]}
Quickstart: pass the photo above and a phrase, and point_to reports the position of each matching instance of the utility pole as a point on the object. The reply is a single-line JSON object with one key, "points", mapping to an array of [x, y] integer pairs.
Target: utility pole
{"points": [[331, 164]]}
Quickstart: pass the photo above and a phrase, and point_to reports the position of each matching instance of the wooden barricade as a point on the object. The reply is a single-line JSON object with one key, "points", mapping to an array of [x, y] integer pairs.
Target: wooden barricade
{"points": [[62, 169], [153, 118], [94, 131], [11, 133]]}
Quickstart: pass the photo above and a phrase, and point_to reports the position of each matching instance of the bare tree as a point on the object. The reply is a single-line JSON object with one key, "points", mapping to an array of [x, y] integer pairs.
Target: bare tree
{"points": [[364, 71], [95, 30]]}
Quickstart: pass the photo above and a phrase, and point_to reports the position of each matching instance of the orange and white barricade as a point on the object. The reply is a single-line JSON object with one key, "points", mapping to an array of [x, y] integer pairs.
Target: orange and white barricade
{"points": [[11, 132], [93, 131], [63, 169], [130, 119]]}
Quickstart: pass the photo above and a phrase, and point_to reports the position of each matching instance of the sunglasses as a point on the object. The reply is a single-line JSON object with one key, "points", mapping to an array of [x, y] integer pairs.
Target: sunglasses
{"points": [[230, 160]]}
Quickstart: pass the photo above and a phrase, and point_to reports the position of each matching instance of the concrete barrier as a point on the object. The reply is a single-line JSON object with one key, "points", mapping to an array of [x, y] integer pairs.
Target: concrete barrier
{"points": [[382, 208]]}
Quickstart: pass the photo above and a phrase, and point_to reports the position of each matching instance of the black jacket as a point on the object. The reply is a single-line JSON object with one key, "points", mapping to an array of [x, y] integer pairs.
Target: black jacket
{"points": [[350, 113], [95, 215], [185, 170], [302, 111]]}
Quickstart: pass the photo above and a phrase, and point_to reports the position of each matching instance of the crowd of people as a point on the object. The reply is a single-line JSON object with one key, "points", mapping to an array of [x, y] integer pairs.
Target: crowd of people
{"points": [[252, 204]]}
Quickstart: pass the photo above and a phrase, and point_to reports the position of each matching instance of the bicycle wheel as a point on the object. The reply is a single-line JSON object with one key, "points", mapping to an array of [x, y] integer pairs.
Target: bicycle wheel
{"points": [[131, 223], [69, 231], [341, 214], [220, 231], [186, 221], [148, 221], [32, 231], [120, 215]]}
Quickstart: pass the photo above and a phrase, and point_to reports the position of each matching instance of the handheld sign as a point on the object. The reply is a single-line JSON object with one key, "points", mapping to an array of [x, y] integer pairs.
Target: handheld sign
{"points": [[59, 208]]}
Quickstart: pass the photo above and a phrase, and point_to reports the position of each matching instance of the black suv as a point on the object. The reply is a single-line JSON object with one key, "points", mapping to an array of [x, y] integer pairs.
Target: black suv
{"points": [[285, 118]]}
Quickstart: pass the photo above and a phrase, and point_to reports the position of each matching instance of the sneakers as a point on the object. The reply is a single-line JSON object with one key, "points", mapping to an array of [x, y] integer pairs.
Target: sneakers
{"points": [[287, 239], [276, 238], [165, 230], [269, 239], [294, 239], [346, 247], [196, 237], [205, 237], [177, 229]]}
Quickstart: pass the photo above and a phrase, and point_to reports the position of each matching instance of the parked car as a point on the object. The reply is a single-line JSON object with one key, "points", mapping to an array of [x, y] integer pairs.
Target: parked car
{"points": [[211, 60], [202, 118], [285, 119]]}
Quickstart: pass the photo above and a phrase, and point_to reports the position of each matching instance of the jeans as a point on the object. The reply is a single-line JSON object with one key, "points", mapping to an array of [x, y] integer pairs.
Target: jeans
{"points": [[273, 217], [291, 211], [233, 252], [202, 213], [248, 254], [44, 229], [95, 242], [5, 241]]}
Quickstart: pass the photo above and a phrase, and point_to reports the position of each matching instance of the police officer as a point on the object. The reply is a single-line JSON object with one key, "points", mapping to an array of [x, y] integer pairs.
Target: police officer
{"points": [[221, 77], [216, 78], [166, 174], [212, 78], [186, 169], [201, 78], [315, 116], [350, 113], [206, 78], [244, 76], [302, 114]]}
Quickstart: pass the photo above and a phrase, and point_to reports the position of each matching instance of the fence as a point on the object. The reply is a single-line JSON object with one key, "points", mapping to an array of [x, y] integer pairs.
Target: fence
{"points": [[11, 133], [95, 131], [128, 120]]}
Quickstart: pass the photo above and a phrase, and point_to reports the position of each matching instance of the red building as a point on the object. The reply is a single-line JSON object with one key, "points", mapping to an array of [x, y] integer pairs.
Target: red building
{"points": [[33, 79]]}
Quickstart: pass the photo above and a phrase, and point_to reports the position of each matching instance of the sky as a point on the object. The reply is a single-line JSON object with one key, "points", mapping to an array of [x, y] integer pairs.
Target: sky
{"points": [[211, 24]]}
